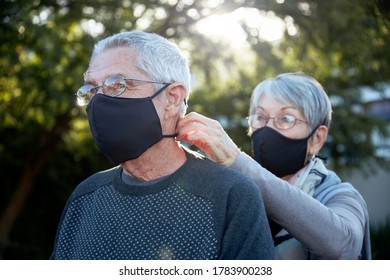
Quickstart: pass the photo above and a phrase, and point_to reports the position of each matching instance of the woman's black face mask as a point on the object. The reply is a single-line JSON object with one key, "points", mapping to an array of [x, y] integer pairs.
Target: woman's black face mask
{"points": [[277, 153]]}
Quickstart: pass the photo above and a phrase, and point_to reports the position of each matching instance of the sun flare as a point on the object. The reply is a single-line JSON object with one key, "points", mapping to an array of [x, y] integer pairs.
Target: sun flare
{"points": [[227, 27]]}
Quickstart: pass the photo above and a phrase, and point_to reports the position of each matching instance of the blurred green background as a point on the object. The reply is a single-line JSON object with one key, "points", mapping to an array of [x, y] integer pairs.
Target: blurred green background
{"points": [[46, 147]]}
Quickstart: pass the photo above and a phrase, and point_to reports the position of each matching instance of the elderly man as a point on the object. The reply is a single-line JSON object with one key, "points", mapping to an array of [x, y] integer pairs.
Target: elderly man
{"points": [[162, 201]]}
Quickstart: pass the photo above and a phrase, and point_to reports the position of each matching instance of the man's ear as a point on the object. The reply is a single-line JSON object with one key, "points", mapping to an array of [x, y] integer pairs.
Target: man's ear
{"points": [[175, 96]]}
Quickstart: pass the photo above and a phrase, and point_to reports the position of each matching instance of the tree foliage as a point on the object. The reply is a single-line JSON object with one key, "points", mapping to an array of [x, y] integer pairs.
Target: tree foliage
{"points": [[46, 148]]}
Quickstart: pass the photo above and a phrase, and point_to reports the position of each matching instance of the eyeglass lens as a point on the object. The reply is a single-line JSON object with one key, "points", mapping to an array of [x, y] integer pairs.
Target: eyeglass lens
{"points": [[281, 122], [113, 86]]}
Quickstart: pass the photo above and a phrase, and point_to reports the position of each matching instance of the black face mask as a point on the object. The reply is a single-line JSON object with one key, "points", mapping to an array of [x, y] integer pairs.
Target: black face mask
{"points": [[277, 153], [124, 128]]}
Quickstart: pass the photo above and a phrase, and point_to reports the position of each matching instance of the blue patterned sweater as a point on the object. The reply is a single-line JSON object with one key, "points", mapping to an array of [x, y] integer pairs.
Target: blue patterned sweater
{"points": [[201, 211]]}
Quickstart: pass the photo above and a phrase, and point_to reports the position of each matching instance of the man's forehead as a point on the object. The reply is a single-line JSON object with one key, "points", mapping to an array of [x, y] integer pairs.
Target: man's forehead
{"points": [[116, 61]]}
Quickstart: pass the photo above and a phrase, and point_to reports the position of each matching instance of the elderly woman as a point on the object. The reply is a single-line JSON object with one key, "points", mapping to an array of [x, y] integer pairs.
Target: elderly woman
{"points": [[312, 213]]}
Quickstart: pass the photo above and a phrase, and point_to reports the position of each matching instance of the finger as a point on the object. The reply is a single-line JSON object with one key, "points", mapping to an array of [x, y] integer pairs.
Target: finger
{"points": [[200, 140], [191, 128], [204, 140], [194, 117], [189, 124]]}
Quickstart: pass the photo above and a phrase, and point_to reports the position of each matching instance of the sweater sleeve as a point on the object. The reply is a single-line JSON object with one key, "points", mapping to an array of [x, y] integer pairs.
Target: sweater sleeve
{"points": [[247, 235], [334, 230]]}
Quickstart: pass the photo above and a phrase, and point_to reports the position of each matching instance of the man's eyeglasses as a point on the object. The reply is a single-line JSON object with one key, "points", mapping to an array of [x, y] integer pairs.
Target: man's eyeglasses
{"points": [[282, 122], [112, 86]]}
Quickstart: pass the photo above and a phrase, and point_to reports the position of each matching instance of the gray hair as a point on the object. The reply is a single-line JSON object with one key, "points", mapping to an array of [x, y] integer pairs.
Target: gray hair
{"points": [[300, 90], [158, 58]]}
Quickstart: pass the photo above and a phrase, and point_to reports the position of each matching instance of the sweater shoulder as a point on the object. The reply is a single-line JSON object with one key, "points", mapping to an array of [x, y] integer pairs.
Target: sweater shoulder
{"points": [[206, 175], [204, 166], [95, 181]]}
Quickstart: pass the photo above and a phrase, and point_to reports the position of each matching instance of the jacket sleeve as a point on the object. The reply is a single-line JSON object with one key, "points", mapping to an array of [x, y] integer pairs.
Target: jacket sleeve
{"points": [[333, 229]]}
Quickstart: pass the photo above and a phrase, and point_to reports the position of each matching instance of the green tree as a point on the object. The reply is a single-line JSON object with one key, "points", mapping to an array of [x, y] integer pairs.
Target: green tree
{"points": [[343, 44]]}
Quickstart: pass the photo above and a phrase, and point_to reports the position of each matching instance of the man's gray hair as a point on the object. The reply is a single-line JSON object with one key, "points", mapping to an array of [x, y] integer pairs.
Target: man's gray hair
{"points": [[300, 90], [158, 58]]}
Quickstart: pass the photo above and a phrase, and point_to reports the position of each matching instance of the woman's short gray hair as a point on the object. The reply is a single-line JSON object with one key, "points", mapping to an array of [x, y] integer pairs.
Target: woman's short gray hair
{"points": [[158, 58], [300, 90]]}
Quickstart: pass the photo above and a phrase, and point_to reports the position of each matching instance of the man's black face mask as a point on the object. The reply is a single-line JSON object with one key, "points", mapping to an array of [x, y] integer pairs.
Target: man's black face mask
{"points": [[124, 128]]}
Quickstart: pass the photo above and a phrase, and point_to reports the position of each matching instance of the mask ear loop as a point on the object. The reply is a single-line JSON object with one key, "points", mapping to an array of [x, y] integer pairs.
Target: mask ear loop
{"points": [[324, 159], [312, 133], [164, 87], [153, 96], [160, 90]]}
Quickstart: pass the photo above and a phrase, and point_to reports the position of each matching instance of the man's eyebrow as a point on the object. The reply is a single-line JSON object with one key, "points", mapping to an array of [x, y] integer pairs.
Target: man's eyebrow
{"points": [[88, 81], [91, 81]]}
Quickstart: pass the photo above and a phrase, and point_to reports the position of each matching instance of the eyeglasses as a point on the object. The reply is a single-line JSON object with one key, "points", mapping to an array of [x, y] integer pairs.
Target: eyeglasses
{"points": [[112, 86], [282, 122]]}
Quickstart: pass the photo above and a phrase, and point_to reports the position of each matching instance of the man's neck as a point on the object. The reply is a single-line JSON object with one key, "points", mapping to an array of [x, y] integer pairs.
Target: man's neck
{"points": [[160, 160]]}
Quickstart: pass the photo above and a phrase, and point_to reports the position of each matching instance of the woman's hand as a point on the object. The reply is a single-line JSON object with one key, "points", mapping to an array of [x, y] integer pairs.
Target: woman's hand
{"points": [[209, 136]]}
